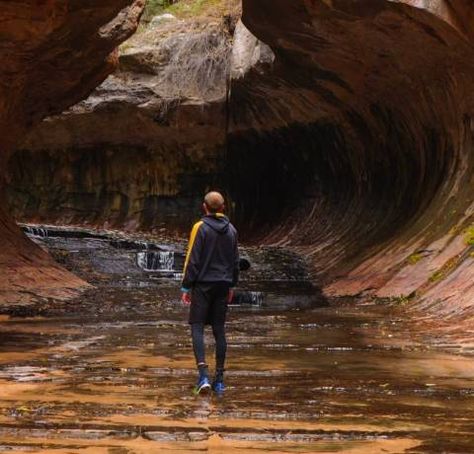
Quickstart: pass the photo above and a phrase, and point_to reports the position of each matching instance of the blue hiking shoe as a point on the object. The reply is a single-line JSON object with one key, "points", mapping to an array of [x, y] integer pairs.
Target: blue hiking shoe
{"points": [[203, 386], [218, 386]]}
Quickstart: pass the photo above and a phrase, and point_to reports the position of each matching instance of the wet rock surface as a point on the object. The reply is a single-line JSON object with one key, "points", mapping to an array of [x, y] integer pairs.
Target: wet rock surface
{"points": [[112, 260], [140, 151], [113, 371]]}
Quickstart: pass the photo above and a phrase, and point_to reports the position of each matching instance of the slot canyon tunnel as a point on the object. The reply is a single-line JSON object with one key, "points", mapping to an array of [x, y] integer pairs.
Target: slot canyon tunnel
{"points": [[340, 129]]}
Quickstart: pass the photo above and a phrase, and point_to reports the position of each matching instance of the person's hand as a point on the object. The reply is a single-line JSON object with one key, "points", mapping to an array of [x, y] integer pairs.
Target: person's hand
{"points": [[230, 296], [186, 298]]}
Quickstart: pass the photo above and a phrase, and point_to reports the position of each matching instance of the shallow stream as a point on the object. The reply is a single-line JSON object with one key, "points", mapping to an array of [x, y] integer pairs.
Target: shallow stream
{"points": [[112, 372]]}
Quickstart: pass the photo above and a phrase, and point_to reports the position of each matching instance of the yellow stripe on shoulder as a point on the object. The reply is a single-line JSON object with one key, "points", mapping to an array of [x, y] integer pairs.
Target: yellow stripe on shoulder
{"points": [[192, 239]]}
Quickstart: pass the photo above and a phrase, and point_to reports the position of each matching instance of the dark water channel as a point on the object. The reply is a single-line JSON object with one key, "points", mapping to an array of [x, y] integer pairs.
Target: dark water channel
{"points": [[112, 371]]}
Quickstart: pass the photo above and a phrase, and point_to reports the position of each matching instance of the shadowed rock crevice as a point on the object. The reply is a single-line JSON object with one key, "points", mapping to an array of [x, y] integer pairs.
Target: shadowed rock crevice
{"points": [[129, 187], [342, 190]]}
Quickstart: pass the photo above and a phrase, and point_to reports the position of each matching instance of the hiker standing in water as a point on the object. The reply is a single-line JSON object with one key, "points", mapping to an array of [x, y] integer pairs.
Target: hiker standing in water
{"points": [[211, 270]]}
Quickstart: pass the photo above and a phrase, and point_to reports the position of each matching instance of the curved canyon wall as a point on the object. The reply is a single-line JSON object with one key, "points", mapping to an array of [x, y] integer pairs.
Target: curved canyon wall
{"points": [[365, 127], [53, 54], [347, 136]]}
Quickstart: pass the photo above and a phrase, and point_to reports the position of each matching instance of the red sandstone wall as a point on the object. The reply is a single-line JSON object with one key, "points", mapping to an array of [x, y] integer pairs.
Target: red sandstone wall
{"points": [[53, 53]]}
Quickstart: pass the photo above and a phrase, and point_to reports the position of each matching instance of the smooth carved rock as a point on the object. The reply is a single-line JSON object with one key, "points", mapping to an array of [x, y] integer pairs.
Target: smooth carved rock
{"points": [[248, 53], [374, 100], [53, 54]]}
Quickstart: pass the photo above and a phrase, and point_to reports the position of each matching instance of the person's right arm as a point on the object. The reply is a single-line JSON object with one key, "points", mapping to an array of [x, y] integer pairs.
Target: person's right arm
{"points": [[235, 279], [236, 273]]}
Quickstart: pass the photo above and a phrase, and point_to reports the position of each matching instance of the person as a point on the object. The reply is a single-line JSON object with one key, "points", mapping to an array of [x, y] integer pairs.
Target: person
{"points": [[211, 271]]}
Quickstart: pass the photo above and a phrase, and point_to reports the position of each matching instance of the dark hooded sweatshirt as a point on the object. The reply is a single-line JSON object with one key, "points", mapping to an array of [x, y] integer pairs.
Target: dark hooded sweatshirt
{"points": [[213, 254]]}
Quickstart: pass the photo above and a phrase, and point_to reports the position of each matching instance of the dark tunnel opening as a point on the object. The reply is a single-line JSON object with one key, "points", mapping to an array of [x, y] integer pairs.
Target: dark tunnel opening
{"points": [[342, 188]]}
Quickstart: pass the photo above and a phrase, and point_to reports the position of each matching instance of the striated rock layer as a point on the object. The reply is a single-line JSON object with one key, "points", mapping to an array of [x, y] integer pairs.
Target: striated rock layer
{"points": [[139, 152], [53, 54], [348, 136]]}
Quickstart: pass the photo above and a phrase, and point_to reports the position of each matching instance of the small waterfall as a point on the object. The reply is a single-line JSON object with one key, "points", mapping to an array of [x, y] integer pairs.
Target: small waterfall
{"points": [[256, 298], [156, 261], [36, 231], [248, 298]]}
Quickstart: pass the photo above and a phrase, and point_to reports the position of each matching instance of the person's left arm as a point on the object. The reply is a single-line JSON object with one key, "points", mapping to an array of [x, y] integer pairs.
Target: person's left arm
{"points": [[192, 262]]}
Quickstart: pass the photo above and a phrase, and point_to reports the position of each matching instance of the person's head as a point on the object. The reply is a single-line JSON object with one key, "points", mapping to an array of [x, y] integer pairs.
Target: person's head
{"points": [[213, 203]]}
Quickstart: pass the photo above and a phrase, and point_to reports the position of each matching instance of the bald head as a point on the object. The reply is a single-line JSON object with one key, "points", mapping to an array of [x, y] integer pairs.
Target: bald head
{"points": [[214, 202]]}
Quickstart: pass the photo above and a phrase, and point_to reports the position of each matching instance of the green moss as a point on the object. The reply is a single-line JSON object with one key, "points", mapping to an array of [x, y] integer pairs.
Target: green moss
{"points": [[414, 258], [447, 268], [185, 8], [193, 8], [155, 7], [402, 300], [437, 276], [469, 236]]}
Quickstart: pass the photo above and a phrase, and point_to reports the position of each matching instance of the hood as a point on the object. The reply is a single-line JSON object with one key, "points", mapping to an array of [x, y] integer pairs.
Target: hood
{"points": [[218, 222]]}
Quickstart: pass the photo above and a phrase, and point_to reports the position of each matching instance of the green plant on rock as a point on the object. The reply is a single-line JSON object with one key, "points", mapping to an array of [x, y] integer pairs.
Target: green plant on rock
{"points": [[402, 300], [155, 7], [414, 258], [445, 270], [189, 9], [192, 8], [469, 236], [437, 276]]}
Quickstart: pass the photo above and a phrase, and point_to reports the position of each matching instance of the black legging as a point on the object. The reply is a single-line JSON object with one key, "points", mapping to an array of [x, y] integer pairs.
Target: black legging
{"points": [[197, 332]]}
